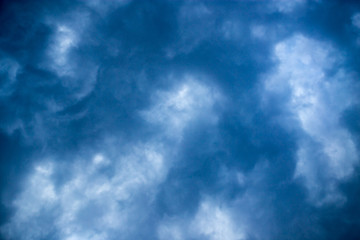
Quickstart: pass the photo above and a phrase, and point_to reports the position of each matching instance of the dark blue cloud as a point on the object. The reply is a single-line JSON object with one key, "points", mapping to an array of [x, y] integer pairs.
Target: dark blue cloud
{"points": [[179, 120]]}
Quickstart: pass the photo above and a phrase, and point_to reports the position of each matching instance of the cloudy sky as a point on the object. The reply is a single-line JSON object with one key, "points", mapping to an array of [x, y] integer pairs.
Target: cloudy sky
{"points": [[179, 120]]}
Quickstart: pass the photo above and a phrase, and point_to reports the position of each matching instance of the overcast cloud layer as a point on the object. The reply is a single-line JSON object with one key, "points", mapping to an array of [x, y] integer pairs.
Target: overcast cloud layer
{"points": [[177, 120]]}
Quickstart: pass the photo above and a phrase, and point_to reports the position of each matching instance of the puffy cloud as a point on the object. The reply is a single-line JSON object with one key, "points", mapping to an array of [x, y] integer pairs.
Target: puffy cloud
{"points": [[356, 23], [103, 196], [179, 120], [285, 7], [315, 101], [211, 221], [356, 20], [215, 223], [8, 69], [99, 198], [188, 101]]}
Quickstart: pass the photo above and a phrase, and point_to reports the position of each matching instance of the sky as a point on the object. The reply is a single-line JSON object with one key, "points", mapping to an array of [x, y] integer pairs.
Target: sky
{"points": [[181, 120]]}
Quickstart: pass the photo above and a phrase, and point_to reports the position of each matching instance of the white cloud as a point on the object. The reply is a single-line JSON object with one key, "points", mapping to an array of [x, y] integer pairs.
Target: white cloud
{"points": [[76, 73], [173, 228], [104, 7], [106, 192], [9, 69], [316, 102], [258, 31], [356, 23], [356, 20], [232, 30], [64, 40], [215, 223], [188, 101], [212, 221], [90, 203], [286, 6], [247, 216], [195, 21]]}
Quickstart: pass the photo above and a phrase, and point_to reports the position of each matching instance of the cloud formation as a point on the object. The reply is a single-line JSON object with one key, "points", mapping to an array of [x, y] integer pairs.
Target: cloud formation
{"points": [[315, 103], [179, 120]]}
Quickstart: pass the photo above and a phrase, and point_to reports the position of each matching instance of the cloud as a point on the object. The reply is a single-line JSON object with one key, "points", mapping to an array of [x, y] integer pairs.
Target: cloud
{"points": [[356, 23], [315, 101], [215, 223], [179, 120], [211, 221], [188, 101], [9, 69], [102, 197], [97, 199], [287, 6], [356, 20]]}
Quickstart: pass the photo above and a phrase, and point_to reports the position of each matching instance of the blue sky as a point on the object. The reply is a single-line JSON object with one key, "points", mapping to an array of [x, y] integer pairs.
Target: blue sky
{"points": [[199, 120]]}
